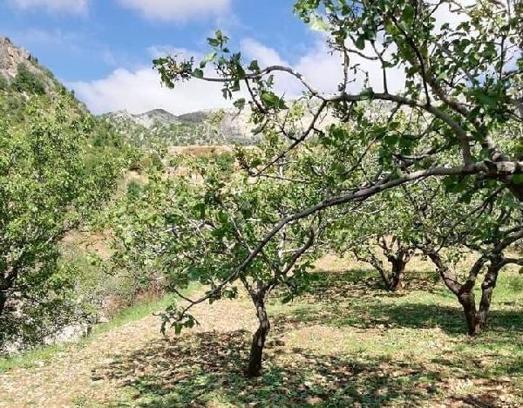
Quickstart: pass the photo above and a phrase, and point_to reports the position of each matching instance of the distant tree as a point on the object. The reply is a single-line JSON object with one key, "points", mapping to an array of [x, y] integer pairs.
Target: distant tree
{"points": [[51, 181], [381, 233]]}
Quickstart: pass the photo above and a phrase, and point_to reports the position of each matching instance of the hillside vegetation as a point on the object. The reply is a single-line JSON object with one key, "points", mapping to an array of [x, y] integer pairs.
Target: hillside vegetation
{"points": [[59, 166]]}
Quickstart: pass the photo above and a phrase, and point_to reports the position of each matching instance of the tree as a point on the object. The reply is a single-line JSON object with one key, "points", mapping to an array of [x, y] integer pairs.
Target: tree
{"points": [[488, 228], [197, 228], [51, 180], [451, 229], [382, 234], [462, 93]]}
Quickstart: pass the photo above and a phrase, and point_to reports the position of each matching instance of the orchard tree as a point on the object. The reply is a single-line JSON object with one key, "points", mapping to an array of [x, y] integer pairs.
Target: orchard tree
{"points": [[51, 179], [382, 234], [461, 94], [196, 228], [485, 229], [449, 229]]}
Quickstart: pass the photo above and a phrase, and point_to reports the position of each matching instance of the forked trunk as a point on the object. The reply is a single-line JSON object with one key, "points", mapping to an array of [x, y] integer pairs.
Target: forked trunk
{"points": [[398, 270], [258, 341]]}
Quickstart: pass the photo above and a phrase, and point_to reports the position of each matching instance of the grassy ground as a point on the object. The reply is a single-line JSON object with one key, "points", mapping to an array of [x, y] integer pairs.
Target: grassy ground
{"points": [[346, 344]]}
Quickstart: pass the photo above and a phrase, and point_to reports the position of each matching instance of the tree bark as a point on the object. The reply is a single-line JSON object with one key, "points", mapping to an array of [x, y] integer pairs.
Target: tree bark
{"points": [[3, 301], [487, 288], [464, 293], [468, 302], [398, 270], [258, 341]]}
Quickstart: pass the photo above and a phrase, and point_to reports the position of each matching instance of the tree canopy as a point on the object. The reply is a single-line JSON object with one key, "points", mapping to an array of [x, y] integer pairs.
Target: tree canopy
{"points": [[446, 141]]}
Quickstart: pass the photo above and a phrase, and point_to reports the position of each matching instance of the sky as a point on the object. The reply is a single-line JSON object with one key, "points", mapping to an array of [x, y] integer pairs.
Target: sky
{"points": [[102, 49]]}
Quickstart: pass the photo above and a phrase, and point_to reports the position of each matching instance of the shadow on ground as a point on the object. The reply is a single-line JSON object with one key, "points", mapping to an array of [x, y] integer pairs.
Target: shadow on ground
{"points": [[205, 369], [192, 371], [356, 299]]}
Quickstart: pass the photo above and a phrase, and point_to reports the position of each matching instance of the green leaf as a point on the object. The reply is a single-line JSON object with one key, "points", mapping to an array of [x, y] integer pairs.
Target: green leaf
{"points": [[272, 101], [254, 66], [239, 103], [360, 43], [408, 14], [318, 24], [198, 73], [517, 179]]}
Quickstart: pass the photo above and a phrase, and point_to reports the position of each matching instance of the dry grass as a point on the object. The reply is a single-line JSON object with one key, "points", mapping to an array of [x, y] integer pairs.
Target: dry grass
{"points": [[347, 343]]}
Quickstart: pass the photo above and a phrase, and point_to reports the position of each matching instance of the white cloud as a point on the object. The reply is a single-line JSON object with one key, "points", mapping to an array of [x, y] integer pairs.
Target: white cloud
{"points": [[140, 90], [319, 68], [177, 10], [64, 6], [266, 56], [322, 69]]}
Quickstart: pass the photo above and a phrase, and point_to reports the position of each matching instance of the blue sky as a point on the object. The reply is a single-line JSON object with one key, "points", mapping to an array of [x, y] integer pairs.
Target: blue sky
{"points": [[103, 48]]}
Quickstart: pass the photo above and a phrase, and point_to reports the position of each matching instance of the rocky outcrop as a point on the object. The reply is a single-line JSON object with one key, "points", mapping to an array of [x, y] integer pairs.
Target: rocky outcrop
{"points": [[213, 127], [11, 57]]}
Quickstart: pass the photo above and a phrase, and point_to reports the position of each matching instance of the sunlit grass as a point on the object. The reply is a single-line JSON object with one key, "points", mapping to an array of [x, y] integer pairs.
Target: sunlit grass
{"points": [[347, 343]]}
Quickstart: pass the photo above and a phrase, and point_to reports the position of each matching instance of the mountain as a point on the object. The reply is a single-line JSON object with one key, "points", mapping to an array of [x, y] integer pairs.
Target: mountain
{"points": [[11, 57], [147, 119], [21, 73], [218, 127]]}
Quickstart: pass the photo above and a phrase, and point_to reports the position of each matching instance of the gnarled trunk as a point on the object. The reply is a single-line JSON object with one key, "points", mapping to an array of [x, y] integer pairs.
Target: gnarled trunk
{"points": [[487, 288], [258, 341], [464, 293], [477, 318], [398, 270]]}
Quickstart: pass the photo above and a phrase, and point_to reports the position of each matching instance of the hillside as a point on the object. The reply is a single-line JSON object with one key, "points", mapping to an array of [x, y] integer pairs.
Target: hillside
{"points": [[57, 166], [198, 128], [21, 73]]}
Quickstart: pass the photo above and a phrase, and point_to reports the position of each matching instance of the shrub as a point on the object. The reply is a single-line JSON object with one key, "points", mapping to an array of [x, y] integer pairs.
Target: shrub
{"points": [[28, 81]]}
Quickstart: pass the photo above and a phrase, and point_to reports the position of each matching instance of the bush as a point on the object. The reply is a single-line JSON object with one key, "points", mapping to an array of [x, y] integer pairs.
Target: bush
{"points": [[3, 83], [27, 81]]}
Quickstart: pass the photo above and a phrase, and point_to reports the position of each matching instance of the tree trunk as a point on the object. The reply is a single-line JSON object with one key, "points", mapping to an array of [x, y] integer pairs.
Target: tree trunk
{"points": [[258, 341], [398, 269], [487, 288], [468, 302]]}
